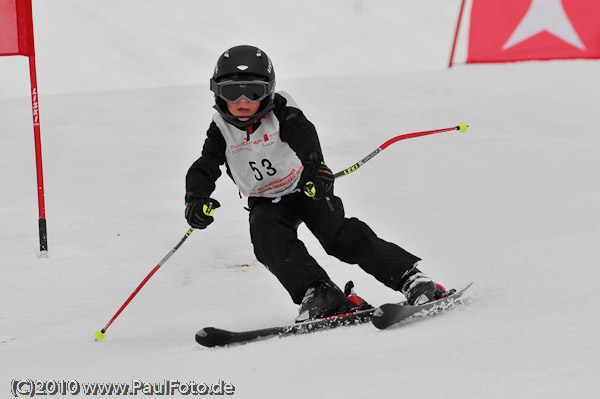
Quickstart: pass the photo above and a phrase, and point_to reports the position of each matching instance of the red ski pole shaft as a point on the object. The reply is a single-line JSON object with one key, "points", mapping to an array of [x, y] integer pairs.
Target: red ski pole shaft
{"points": [[462, 127], [100, 334]]}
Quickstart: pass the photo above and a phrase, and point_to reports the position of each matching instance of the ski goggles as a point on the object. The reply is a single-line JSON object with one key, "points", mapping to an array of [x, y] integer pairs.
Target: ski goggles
{"points": [[233, 91]]}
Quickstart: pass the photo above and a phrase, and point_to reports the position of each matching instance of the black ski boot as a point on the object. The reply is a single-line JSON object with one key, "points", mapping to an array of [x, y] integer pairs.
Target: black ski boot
{"points": [[418, 288], [323, 299]]}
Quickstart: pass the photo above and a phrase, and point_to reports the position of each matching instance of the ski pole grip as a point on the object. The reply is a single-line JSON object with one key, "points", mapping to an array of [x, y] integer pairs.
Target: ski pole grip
{"points": [[210, 206], [309, 189]]}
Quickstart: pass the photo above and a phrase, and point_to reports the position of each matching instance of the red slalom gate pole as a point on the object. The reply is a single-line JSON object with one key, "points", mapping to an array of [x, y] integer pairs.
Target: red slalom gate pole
{"points": [[462, 7], [38, 159], [100, 334], [461, 127]]}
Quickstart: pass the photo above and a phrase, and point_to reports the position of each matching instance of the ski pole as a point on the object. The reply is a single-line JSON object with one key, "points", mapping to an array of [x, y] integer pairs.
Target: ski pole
{"points": [[462, 127], [100, 333]]}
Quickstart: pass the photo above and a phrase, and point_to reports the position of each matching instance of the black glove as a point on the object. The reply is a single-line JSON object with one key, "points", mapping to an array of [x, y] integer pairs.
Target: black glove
{"points": [[198, 212], [319, 177]]}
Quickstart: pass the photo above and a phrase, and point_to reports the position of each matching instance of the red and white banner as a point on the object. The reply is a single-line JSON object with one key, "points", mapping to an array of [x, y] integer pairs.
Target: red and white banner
{"points": [[520, 30], [16, 28]]}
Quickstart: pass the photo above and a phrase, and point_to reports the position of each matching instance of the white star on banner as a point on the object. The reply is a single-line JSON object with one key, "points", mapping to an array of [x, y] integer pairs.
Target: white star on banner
{"points": [[545, 15]]}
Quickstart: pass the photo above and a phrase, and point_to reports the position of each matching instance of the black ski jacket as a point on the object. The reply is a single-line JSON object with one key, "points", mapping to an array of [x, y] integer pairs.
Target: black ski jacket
{"points": [[295, 129]]}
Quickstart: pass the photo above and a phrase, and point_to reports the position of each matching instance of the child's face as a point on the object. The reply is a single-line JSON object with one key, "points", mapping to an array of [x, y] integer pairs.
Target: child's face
{"points": [[243, 108]]}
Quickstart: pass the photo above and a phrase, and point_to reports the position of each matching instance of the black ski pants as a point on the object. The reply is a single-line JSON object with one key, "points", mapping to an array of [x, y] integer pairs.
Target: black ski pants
{"points": [[273, 230]]}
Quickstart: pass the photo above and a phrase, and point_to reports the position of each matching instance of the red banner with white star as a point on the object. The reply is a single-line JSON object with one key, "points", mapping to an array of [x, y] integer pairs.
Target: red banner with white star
{"points": [[16, 28], [522, 30]]}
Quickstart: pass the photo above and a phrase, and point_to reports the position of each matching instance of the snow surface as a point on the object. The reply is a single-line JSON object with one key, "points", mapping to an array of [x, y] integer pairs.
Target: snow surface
{"points": [[512, 205]]}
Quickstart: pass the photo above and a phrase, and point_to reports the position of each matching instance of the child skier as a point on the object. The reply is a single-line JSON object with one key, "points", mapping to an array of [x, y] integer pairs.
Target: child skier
{"points": [[272, 152]]}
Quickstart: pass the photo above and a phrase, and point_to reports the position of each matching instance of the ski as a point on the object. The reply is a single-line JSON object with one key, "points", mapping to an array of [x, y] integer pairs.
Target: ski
{"points": [[382, 317], [393, 313], [211, 337]]}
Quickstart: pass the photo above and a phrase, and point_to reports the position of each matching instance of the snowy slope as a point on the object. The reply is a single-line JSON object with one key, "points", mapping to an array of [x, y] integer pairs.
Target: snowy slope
{"points": [[82, 45], [512, 205]]}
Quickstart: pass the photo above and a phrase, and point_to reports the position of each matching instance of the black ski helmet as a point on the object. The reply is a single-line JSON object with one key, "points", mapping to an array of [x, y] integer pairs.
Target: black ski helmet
{"points": [[243, 62]]}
